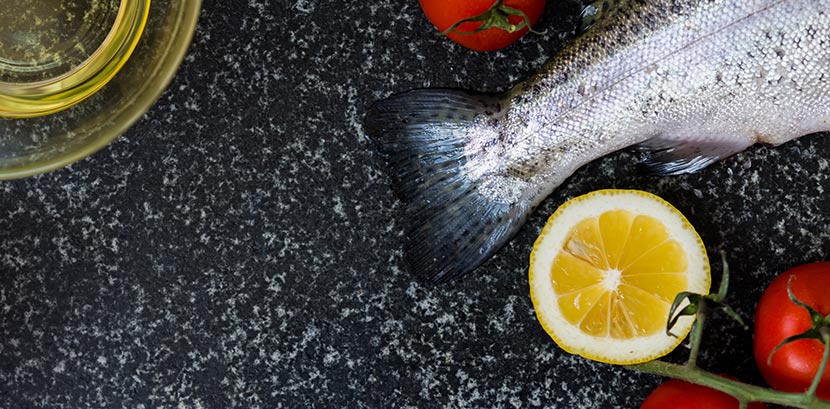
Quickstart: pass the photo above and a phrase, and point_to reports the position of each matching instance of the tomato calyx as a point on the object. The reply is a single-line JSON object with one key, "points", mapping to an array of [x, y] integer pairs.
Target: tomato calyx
{"points": [[498, 16], [820, 331], [700, 304]]}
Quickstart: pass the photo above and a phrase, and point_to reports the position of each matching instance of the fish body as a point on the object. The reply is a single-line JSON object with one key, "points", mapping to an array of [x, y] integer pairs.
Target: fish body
{"points": [[691, 82]]}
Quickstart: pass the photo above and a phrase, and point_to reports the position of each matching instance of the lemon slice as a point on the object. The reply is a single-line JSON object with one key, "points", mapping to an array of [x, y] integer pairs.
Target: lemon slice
{"points": [[605, 271]]}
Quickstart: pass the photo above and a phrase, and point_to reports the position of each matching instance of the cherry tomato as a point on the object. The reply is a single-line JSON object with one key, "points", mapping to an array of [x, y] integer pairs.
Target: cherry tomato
{"points": [[794, 366], [444, 13], [676, 394]]}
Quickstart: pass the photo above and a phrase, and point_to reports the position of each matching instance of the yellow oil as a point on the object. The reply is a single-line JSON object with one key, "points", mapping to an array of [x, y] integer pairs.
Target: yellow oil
{"points": [[56, 53]]}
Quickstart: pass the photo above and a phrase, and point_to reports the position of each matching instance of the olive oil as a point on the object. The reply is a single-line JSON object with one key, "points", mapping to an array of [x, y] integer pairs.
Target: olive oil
{"points": [[55, 53]]}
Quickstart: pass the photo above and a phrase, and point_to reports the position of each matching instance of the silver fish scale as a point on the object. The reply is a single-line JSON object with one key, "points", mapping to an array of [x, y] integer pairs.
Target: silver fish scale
{"points": [[723, 74]]}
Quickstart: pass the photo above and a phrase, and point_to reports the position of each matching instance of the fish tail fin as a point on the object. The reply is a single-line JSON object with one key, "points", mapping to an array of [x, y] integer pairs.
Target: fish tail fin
{"points": [[430, 138]]}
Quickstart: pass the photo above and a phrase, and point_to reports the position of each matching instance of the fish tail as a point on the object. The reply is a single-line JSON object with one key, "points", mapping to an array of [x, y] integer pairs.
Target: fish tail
{"points": [[426, 137]]}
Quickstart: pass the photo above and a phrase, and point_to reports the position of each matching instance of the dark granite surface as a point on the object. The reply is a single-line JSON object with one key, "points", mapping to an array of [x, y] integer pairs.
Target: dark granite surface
{"points": [[239, 246]]}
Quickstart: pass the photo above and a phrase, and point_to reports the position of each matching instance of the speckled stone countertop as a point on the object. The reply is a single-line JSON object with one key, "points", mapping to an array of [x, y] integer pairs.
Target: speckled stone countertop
{"points": [[240, 247]]}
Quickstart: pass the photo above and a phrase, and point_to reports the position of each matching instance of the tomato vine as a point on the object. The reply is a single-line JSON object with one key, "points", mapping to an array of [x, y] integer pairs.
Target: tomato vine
{"points": [[700, 306]]}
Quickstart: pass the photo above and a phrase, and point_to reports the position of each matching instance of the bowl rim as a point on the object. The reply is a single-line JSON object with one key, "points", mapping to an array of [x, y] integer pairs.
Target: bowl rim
{"points": [[52, 95], [141, 103]]}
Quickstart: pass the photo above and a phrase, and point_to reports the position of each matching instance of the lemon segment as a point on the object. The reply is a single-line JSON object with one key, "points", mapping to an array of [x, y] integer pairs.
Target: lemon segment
{"points": [[585, 242], [605, 270], [613, 225]]}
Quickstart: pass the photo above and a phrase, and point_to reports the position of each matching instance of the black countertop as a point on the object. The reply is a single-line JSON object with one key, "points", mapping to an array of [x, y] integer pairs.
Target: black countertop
{"points": [[240, 246]]}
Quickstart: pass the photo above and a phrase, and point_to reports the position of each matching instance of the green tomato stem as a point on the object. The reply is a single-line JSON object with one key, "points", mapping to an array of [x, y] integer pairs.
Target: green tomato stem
{"points": [[825, 336], [697, 335], [741, 391], [724, 279]]}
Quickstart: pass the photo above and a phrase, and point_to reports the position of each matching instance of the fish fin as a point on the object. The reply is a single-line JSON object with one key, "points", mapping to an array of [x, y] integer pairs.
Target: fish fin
{"points": [[678, 156], [425, 136], [598, 11]]}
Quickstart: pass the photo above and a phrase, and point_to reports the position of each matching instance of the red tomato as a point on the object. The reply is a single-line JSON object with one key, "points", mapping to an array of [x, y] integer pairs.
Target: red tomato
{"points": [[794, 366], [444, 13], [676, 394]]}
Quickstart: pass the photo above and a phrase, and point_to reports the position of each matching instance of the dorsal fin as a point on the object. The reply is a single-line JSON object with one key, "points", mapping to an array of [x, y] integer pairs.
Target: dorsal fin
{"points": [[597, 11]]}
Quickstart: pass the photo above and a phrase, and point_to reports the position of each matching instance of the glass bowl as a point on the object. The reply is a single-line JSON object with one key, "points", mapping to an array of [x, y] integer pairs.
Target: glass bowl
{"points": [[56, 53], [31, 145]]}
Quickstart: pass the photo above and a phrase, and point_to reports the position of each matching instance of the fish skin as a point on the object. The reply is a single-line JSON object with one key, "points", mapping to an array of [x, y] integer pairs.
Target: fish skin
{"points": [[692, 82], [694, 72]]}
